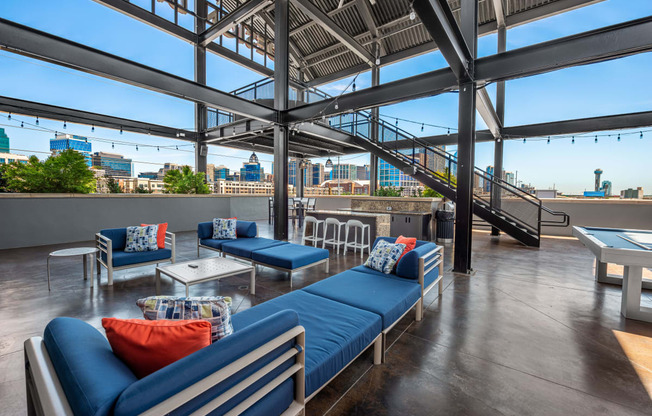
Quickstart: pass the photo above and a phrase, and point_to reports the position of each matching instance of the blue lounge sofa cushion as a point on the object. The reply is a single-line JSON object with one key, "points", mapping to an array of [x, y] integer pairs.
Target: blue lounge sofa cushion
{"points": [[118, 237], [289, 256], [216, 244], [120, 258], [244, 247], [243, 229], [335, 333], [428, 279], [387, 297], [92, 377], [158, 386], [408, 266]]}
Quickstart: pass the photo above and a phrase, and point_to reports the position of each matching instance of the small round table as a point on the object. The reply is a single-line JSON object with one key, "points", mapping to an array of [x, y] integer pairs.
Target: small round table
{"points": [[70, 252]]}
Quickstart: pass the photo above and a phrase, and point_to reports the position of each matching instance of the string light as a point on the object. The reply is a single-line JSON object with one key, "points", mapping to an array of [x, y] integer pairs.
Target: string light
{"points": [[21, 124], [92, 128], [9, 116], [448, 133], [548, 139], [396, 124], [112, 145], [157, 149], [120, 129], [596, 138], [37, 120], [573, 141], [354, 86], [618, 136], [421, 126], [337, 106], [641, 136], [64, 125], [136, 147], [413, 15], [523, 141]]}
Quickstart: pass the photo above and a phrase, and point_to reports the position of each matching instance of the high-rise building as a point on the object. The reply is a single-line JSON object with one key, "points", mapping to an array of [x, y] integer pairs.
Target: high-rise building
{"points": [[344, 171], [487, 184], [167, 167], [597, 173], [113, 164], [4, 142], [363, 173], [221, 172], [148, 175], [80, 144], [510, 178], [210, 173], [293, 165], [607, 188], [252, 171], [389, 176], [317, 175]]}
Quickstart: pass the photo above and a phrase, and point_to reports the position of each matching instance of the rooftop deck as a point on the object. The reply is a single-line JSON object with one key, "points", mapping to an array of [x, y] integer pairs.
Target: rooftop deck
{"points": [[529, 333]]}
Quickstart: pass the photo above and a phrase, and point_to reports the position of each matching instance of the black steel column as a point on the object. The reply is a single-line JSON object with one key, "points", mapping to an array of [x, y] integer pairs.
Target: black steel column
{"points": [[281, 133], [373, 133], [201, 113], [466, 145], [300, 179], [500, 111]]}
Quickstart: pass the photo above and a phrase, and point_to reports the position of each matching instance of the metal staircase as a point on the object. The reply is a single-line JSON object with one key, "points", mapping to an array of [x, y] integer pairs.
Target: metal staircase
{"points": [[499, 203]]}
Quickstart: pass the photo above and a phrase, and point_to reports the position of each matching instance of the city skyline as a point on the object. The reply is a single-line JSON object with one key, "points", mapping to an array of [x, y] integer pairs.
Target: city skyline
{"points": [[562, 164]]}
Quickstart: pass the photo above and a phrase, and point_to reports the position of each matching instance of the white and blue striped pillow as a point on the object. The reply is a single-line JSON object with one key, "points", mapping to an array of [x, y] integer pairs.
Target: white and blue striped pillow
{"points": [[384, 256]]}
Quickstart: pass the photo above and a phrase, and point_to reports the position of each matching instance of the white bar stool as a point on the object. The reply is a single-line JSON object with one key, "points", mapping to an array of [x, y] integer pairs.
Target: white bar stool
{"points": [[336, 240], [315, 230], [355, 225]]}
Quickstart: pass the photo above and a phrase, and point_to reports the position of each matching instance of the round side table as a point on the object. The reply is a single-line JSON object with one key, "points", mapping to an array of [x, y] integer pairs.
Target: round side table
{"points": [[85, 252]]}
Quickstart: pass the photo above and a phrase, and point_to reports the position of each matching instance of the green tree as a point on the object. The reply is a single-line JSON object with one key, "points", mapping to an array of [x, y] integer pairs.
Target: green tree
{"points": [[431, 193], [185, 181], [389, 191], [140, 189], [112, 185], [66, 172]]}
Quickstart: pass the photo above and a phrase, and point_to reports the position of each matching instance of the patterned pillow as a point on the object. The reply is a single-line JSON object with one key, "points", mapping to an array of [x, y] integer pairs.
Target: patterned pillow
{"points": [[224, 228], [141, 239], [384, 256], [214, 309]]}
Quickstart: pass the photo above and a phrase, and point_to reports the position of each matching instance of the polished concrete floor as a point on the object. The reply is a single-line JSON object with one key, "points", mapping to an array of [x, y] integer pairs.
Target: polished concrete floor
{"points": [[530, 333]]}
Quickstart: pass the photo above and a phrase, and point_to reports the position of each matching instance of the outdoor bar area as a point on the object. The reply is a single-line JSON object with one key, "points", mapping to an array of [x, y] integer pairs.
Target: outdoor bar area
{"points": [[415, 284]]}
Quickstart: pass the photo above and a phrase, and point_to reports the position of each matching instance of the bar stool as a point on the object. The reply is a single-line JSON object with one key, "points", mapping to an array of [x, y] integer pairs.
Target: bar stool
{"points": [[336, 240], [355, 225], [315, 230]]}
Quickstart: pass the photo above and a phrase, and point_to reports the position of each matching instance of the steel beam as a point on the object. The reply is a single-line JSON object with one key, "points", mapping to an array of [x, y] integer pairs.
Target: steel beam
{"points": [[281, 132], [373, 135], [44, 46], [226, 23], [486, 110], [334, 30], [52, 112], [590, 47], [201, 112], [169, 27], [438, 20], [365, 12], [466, 146], [535, 13], [500, 112]]}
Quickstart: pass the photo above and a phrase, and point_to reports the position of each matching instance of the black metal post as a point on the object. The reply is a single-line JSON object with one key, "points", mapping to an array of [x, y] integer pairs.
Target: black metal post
{"points": [[281, 133], [466, 146], [300, 178], [498, 143], [201, 112], [373, 135]]}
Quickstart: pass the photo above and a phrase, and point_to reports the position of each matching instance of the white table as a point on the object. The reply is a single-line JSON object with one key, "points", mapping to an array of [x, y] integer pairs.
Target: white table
{"points": [[71, 252], [213, 268]]}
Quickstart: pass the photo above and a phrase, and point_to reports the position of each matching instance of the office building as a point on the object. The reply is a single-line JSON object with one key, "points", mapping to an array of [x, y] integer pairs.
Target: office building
{"points": [[344, 171], [317, 176], [630, 193], [12, 157], [221, 172], [510, 178], [168, 167], [389, 176], [113, 164], [222, 186], [148, 175], [252, 171], [363, 173], [80, 144], [4, 142]]}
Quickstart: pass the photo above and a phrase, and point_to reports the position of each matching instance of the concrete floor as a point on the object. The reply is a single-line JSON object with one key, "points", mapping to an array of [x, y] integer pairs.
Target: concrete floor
{"points": [[530, 333]]}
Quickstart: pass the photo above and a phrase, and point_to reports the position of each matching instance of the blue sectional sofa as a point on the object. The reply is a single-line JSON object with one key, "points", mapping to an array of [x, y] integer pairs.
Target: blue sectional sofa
{"points": [[282, 352], [111, 244], [279, 255]]}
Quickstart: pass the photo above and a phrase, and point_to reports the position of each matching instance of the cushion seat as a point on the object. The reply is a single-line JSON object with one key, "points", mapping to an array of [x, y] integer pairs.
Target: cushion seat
{"points": [[244, 247], [428, 279], [210, 242], [389, 298], [290, 256], [335, 333], [120, 258]]}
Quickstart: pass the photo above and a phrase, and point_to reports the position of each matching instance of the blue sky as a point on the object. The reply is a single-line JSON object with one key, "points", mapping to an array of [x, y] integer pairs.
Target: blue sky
{"points": [[607, 88]]}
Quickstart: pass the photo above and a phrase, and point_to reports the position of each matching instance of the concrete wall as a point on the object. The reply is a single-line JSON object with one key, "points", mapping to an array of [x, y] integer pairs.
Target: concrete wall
{"points": [[31, 220]]}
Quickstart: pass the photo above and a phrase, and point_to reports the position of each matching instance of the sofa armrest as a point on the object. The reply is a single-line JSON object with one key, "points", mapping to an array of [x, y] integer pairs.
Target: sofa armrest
{"points": [[428, 262], [244, 366], [104, 245], [170, 239]]}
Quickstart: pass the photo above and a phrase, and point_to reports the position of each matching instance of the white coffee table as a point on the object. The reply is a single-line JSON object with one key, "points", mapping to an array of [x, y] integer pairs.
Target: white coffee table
{"points": [[207, 269], [70, 252]]}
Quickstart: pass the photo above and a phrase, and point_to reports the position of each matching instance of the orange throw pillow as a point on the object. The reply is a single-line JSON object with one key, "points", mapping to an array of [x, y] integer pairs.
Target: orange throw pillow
{"points": [[410, 243], [148, 346], [160, 236]]}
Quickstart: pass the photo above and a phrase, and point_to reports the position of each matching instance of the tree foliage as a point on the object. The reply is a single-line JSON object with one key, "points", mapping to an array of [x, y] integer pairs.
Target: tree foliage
{"points": [[431, 193], [140, 189], [66, 172], [112, 185], [185, 181], [389, 191]]}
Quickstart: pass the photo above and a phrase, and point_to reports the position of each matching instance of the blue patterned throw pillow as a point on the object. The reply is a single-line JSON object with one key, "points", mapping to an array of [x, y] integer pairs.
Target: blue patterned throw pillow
{"points": [[141, 239], [214, 309], [224, 228], [384, 256]]}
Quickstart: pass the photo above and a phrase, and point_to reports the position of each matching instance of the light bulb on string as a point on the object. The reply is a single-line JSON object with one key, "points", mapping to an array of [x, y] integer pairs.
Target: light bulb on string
{"points": [[337, 106], [448, 132], [641, 136], [157, 149], [396, 124], [596, 138], [618, 136], [354, 87], [548, 139], [64, 125], [234, 130], [523, 141], [573, 140], [136, 147], [21, 124], [37, 120], [9, 116], [421, 126], [120, 129], [413, 15], [177, 147], [112, 145], [93, 129]]}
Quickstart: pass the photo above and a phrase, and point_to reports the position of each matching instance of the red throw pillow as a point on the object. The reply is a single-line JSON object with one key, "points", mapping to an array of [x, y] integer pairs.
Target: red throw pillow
{"points": [[148, 346], [410, 243], [160, 235]]}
